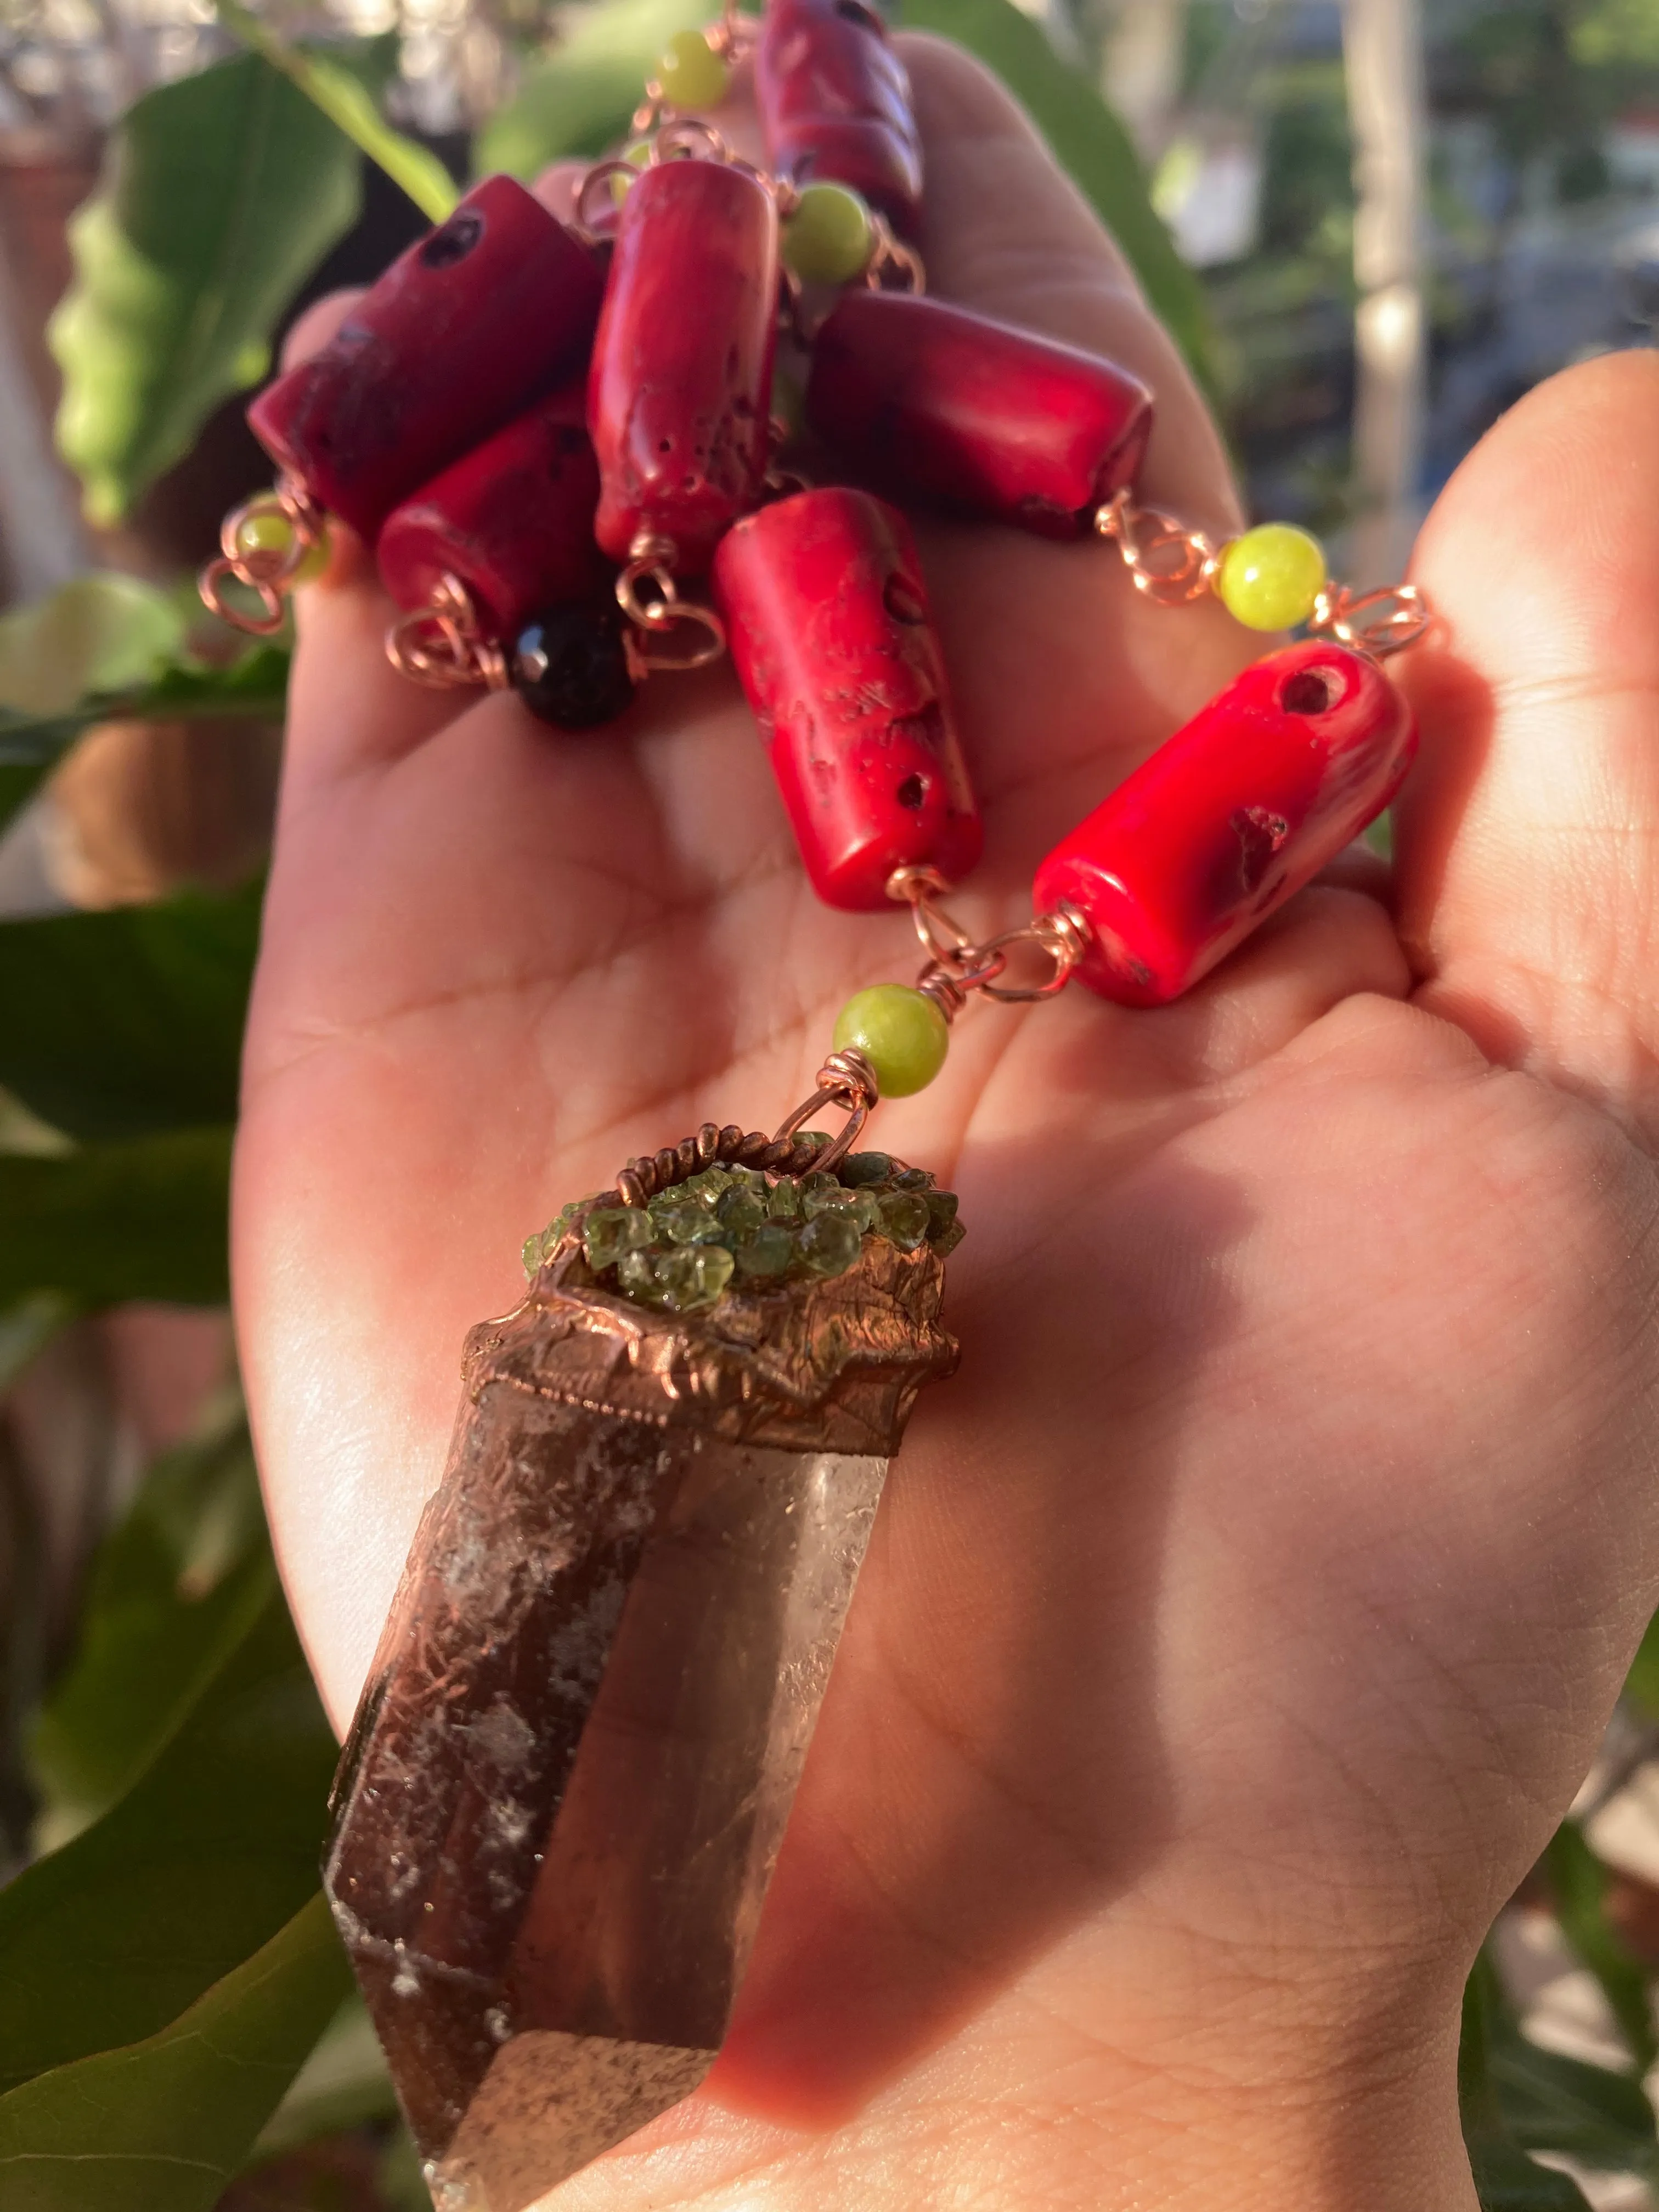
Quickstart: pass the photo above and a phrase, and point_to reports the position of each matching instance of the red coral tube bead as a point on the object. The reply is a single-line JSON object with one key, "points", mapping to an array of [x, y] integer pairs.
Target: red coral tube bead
{"points": [[682, 376], [826, 616], [1236, 812], [834, 103], [497, 305], [935, 400], [513, 520]]}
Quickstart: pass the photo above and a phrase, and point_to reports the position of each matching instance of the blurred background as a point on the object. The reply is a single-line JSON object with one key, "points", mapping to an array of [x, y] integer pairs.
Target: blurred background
{"points": [[1372, 226]]}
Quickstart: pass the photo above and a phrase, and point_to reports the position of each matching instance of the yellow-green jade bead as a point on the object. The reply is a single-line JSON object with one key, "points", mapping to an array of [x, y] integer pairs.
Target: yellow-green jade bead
{"points": [[1271, 578], [827, 238], [691, 74], [272, 534], [900, 1032], [637, 156]]}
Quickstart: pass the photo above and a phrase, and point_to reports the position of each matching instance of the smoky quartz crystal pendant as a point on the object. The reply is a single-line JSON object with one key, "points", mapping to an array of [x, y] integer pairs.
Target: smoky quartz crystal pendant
{"points": [[565, 1787]]}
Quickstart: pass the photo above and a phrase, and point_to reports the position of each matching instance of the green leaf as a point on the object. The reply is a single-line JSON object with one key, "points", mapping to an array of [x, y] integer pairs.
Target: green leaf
{"points": [[169, 1597], [103, 633], [160, 2126], [221, 194], [578, 100], [209, 1853], [343, 2083], [114, 1222], [1642, 1683], [1507, 2180], [118, 1024], [27, 1328], [31, 745], [1585, 2112], [1089, 142], [1515, 2098], [349, 106], [1578, 1882]]}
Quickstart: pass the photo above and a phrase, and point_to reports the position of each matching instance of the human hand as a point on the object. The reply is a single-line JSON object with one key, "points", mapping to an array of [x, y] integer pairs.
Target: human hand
{"points": [[1239, 1621]]}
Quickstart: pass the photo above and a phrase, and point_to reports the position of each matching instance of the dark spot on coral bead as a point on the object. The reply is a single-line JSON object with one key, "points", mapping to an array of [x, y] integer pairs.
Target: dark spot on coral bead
{"points": [[453, 241], [570, 666], [1311, 691], [911, 792]]}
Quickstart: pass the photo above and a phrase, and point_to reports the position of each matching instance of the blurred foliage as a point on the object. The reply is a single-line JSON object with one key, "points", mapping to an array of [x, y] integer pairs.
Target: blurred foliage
{"points": [[221, 194]]}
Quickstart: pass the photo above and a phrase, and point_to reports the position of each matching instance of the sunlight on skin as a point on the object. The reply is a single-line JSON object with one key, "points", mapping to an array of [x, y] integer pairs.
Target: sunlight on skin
{"points": [[1240, 1621]]}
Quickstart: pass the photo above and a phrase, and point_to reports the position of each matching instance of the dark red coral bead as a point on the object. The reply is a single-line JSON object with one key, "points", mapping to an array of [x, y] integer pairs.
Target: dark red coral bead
{"points": [[934, 400], [834, 103], [494, 306], [682, 378], [1237, 811], [831, 637], [513, 520]]}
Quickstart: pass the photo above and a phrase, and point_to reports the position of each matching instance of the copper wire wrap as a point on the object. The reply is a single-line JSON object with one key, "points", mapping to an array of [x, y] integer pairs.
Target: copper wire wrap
{"points": [[958, 964], [1380, 623], [785, 1153], [848, 1080], [893, 266], [269, 574], [649, 597], [444, 645], [1170, 564]]}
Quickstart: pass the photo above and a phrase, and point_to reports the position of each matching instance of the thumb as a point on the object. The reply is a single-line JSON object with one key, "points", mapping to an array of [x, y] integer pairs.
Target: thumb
{"points": [[1527, 846]]}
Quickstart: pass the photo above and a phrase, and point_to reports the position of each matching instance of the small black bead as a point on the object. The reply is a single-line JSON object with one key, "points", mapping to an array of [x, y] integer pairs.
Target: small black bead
{"points": [[570, 666]]}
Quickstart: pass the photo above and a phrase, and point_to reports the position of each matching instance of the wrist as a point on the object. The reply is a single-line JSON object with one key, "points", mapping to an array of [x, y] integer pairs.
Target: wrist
{"points": [[1032, 2107]]}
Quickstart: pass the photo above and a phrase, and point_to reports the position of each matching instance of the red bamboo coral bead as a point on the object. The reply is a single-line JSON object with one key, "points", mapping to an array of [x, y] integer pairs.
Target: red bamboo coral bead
{"points": [[1239, 810], [936, 400], [513, 520], [682, 375], [834, 103], [497, 305], [827, 615]]}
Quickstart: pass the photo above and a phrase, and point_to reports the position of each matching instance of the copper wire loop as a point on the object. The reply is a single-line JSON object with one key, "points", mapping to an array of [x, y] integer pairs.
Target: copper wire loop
{"points": [[781, 1155], [1172, 564], [957, 964], [650, 569], [846, 1080], [891, 258], [443, 644], [1380, 623], [269, 574]]}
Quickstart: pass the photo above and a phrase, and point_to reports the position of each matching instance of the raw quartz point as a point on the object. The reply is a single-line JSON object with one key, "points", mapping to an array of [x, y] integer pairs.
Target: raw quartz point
{"points": [[567, 1784]]}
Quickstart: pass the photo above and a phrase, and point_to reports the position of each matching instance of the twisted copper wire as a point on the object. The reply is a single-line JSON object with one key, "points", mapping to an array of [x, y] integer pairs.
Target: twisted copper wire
{"points": [[642, 1178]]}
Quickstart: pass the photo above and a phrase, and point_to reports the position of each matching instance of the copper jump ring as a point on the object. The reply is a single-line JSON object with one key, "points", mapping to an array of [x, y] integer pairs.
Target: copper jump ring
{"points": [[443, 646], [891, 258], [1146, 537], [846, 1080], [1379, 622], [650, 570], [270, 573]]}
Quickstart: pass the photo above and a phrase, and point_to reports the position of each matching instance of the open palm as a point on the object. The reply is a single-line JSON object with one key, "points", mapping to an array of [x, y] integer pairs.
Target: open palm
{"points": [[1239, 1620]]}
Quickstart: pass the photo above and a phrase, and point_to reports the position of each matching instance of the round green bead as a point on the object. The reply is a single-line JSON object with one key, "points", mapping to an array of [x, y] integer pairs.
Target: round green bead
{"points": [[900, 1032], [272, 534], [827, 238], [1271, 577], [690, 72], [638, 156]]}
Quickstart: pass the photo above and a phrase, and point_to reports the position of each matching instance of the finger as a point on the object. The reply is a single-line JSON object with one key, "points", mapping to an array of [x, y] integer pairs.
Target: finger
{"points": [[1006, 231], [558, 186], [311, 330], [1527, 846]]}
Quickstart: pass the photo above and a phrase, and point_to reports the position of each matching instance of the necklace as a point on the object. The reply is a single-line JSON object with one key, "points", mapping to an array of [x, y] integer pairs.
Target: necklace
{"points": [[571, 449]]}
